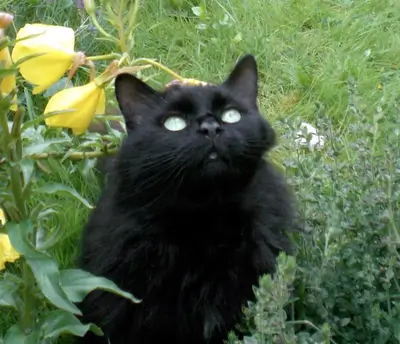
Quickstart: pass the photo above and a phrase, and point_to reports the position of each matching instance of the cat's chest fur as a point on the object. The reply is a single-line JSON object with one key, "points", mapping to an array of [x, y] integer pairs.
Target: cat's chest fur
{"points": [[192, 249], [202, 270], [193, 268]]}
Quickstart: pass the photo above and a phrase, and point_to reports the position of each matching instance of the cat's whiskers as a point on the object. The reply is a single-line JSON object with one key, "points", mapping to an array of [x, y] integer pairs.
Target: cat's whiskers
{"points": [[167, 174]]}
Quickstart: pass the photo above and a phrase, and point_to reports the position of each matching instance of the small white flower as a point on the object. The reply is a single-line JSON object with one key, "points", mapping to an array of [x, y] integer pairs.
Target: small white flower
{"points": [[307, 136]]}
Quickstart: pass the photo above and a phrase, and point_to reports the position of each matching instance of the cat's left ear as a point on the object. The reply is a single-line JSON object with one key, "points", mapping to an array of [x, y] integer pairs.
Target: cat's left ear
{"points": [[136, 99], [243, 80]]}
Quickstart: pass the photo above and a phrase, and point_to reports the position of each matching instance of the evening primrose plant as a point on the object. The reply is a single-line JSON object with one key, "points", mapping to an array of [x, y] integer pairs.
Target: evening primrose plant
{"points": [[55, 56], [43, 297]]}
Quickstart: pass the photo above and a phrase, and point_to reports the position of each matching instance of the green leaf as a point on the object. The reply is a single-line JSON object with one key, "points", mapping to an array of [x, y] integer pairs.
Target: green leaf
{"points": [[44, 242], [197, 11], [7, 72], [44, 269], [64, 4], [27, 167], [58, 86], [46, 273], [8, 294], [55, 188], [37, 148], [4, 43], [78, 283], [39, 119], [29, 57], [58, 322], [16, 336], [29, 105]]}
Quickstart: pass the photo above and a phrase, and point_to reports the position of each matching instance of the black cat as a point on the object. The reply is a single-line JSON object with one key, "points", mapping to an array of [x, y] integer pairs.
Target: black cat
{"points": [[191, 215]]}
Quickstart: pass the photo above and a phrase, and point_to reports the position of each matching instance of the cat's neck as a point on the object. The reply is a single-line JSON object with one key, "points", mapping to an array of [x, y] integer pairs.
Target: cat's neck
{"points": [[195, 197]]}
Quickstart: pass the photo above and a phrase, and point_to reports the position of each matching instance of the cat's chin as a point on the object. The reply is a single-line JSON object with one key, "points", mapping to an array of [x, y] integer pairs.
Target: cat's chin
{"points": [[217, 170]]}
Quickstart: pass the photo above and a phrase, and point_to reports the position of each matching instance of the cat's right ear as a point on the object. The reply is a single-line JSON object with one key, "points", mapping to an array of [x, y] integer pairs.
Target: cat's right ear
{"points": [[135, 98]]}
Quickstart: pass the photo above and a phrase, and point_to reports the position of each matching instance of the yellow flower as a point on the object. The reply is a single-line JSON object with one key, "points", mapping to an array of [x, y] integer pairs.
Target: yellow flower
{"points": [[190, 82], [7, 252], [83, 101], [56, 43], [8, 83]]}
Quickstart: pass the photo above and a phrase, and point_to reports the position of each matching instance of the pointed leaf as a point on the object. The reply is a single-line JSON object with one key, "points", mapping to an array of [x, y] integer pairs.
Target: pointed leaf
{"points": [[59, 188], [60, 322], [44, 269], [27, 168], [37, 148], [78, 283], [16, 336], [58, 86], [46, 273], [8, 294]]}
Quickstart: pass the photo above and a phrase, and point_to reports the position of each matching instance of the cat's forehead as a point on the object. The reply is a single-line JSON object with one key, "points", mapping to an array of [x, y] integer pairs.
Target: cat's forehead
{"points": [[210, 96]]}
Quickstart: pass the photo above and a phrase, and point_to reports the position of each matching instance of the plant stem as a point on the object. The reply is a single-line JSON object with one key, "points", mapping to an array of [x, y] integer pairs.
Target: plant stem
{"points": [[16, 189], [121, 31], [111, 56], [14, 144], [160, 66], [101, 30], [5, 132], [74, 155], [133, 16], [15, 156], [28, 317]]}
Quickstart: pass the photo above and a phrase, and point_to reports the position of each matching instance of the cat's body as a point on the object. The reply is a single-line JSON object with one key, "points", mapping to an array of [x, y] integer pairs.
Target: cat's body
{"points": [[190, 218]]}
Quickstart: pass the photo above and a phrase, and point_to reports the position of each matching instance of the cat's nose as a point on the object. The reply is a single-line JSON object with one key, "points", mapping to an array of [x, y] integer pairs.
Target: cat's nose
{"points": [[210, 128]]}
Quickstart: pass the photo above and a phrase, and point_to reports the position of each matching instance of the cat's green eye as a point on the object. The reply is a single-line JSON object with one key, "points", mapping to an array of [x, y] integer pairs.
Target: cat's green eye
{"points": [[175, 123], [231, 116]]}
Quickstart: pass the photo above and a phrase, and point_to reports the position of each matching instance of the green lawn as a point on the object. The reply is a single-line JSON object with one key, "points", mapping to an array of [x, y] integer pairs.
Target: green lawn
{"points": [[333, 64]]}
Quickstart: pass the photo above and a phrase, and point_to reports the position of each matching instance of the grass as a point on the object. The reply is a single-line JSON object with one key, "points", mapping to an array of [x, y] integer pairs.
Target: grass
{"points": [[333, 64]]}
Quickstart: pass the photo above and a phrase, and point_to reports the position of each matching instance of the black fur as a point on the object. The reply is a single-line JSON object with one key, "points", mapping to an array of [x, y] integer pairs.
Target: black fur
{"points": [[188, 235]]}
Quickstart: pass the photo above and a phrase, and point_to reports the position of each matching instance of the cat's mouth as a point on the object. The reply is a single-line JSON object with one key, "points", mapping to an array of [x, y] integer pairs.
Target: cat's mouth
{"points": [[213, 156]]}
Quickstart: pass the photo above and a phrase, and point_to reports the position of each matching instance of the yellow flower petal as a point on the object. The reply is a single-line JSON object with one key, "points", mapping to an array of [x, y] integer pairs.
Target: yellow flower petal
{"points": [[7, 252], [8, 83], [2, 217], [14, 106], [57, 45], [101, 106], [85, 101]]}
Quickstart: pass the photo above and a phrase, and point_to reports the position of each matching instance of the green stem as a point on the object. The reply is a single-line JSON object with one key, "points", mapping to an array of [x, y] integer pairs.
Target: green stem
{"points": [[28, 317], [6, 139], [133, 15], [123, 59], [16, 189], [14, 150], [16, 133], [121, 31], [160, 66], [132, 24], [100, 29], [74, 155], [111, 56]]}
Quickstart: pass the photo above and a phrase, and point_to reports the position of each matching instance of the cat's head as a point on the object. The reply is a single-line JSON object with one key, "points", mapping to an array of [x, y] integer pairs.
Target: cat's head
{"points": [[194, 133]]}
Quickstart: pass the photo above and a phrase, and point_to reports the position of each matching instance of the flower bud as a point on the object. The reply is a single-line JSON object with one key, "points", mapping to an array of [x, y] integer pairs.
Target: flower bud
{"points": [[5, 19], [90, 6]]}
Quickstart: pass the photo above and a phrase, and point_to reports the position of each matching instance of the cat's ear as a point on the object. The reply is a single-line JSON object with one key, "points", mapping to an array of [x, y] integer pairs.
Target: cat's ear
{"points": [[135, 98], [243, 80]]}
